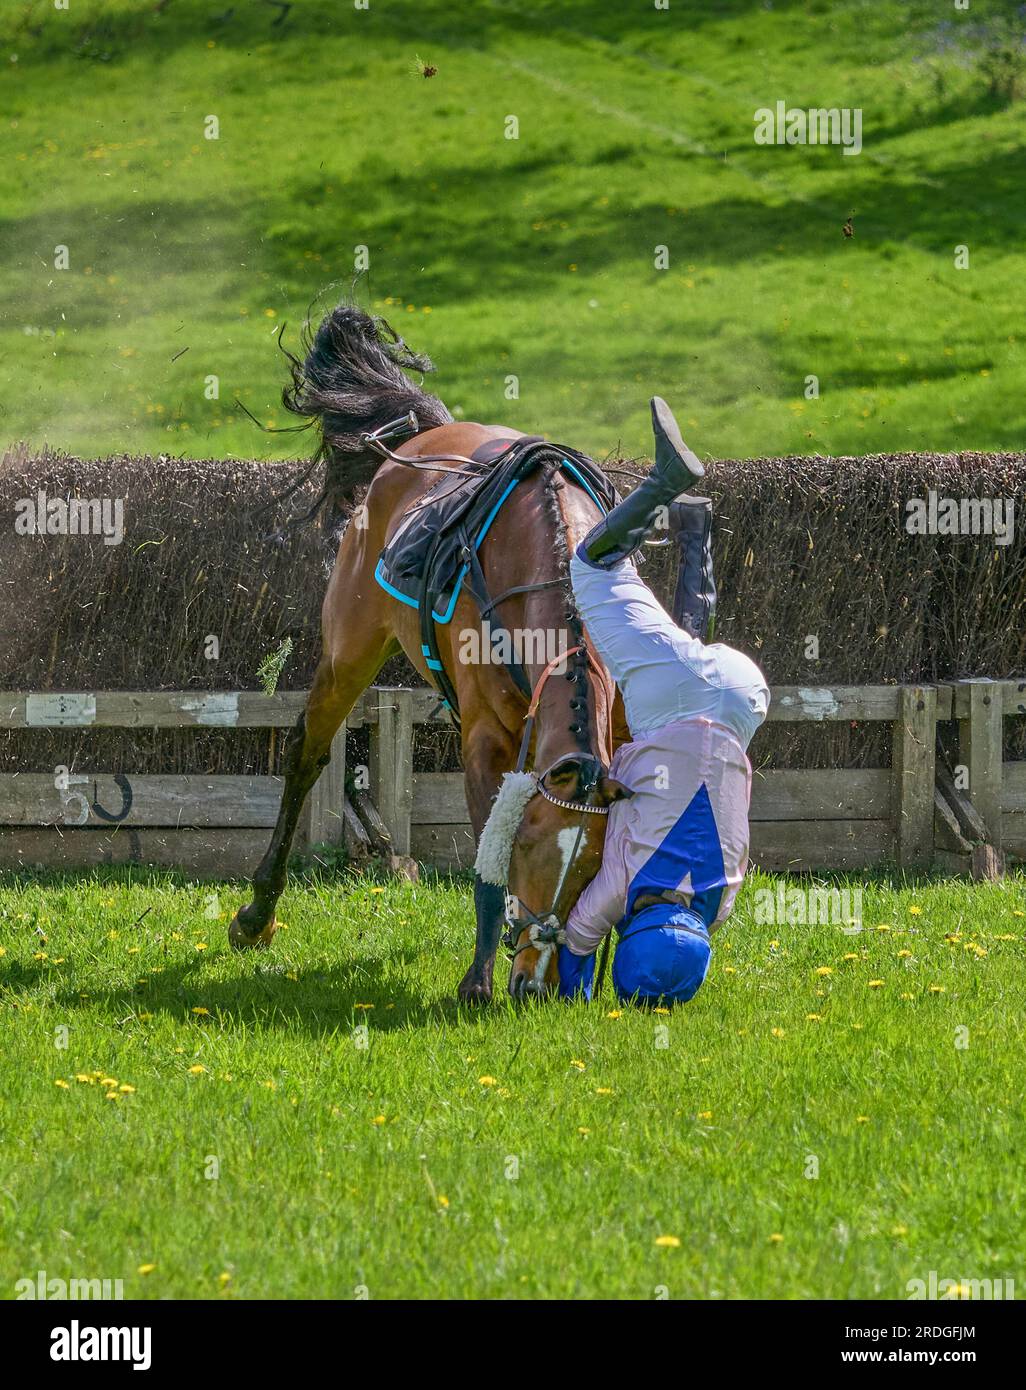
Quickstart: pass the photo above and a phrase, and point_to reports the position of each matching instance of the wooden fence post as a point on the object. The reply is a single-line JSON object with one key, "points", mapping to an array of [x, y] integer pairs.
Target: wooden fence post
{"points": [[980, 732], [391, 764], [913, 767], [323, 816]]}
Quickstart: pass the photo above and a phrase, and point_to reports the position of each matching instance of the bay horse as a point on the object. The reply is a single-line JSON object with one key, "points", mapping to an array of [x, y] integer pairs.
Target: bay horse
{"points": [[352, 382]]}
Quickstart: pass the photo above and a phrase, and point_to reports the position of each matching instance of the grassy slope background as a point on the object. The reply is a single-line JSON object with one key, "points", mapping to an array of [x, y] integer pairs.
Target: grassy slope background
{"points": [[385, 1159], [532, 257]]}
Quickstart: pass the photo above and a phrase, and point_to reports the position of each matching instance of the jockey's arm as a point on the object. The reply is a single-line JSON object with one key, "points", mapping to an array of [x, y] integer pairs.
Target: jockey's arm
{"points": [[600, 906], [593, 917]]}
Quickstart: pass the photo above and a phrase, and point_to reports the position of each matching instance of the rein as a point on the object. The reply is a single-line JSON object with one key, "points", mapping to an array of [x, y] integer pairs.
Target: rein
{"points": [[547, 932]]}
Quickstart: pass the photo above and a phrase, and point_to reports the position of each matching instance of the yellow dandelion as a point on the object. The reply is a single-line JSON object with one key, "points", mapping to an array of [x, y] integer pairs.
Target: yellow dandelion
{"points": [[363, 1006], [882, 926], [705, 1114], [778, 1032], [668, 1242], [915, 911], [224, 1278], [201, 945], [937, 989], [660, 1011], [487, 1081], [776, 1238], [874, 984], [377, 890], [899, 1230], [85, 1080], [852, 955], [603, 1090], [814, 1018], [862, 1119], [443, 1201], [64, 1085], [146, 1269], [378, 1120], [201, 1012], [197, 1070], [905, 995], [583, 1129], [904, 955], [615, 1013], [108, 1081], [824, 969], [729, 970], [127, 1090], [576, 1062]]}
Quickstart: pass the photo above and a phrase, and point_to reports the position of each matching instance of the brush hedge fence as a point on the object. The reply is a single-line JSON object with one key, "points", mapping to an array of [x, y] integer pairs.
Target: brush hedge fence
{"points": [[820, 579]]}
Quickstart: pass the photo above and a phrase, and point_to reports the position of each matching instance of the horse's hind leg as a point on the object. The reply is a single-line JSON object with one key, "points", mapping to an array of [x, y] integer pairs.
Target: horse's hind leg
{"points": [[337, 686]]}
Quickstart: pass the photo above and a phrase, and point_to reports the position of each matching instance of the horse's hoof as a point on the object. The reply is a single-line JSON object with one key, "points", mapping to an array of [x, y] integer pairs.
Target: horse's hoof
{"points": [[242, 940], [473, 990]]}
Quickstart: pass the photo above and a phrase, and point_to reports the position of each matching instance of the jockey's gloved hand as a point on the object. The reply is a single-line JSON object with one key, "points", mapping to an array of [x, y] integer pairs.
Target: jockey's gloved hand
{"points": [[576, 974]]}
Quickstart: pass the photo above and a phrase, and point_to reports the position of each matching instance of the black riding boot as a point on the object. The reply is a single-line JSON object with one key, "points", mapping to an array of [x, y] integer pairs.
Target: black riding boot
{"points": [[694, 601], [676, 469]]}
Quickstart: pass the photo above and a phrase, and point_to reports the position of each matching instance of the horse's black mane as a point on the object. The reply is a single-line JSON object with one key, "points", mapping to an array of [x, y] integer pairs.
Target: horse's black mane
{"points": [[352, 380]]}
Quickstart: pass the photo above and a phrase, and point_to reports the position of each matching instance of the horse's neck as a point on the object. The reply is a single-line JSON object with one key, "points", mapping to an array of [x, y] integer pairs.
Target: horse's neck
{"points": [[575, 515]]}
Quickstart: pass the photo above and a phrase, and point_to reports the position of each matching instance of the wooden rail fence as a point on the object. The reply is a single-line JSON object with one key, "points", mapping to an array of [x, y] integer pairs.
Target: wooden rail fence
{"points": [[912, 814]]}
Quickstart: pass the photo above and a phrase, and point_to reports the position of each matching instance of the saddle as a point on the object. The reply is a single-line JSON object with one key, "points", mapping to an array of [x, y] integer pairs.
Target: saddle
{"points": [[433, 553]]}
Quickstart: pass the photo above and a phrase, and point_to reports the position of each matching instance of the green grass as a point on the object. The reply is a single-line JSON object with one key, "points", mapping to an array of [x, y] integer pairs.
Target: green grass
{"points": [[532, 257], [388, 1165]]}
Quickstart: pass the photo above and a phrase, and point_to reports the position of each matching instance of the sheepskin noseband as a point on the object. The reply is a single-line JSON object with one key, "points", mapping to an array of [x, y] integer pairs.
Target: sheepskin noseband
{"points": [[496, 846]]}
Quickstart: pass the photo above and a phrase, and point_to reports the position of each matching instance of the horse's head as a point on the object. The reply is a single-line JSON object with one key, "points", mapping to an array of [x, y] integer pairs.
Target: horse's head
{"points": [[557, 850]]}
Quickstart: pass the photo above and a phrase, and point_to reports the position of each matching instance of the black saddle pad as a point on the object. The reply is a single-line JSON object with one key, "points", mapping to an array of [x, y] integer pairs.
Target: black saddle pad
{"points": [[458, 511]]}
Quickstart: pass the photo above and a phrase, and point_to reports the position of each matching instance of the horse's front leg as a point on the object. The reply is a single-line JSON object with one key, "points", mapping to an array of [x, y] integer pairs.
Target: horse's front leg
{"points": [[338, 684], [486, 756]]}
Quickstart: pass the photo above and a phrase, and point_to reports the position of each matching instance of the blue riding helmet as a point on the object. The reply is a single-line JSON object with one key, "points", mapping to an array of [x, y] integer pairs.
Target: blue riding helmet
{"points": [[663, 954]]}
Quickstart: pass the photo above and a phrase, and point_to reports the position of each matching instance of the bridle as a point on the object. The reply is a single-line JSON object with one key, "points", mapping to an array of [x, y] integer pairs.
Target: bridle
{"points": [[548, 931]]}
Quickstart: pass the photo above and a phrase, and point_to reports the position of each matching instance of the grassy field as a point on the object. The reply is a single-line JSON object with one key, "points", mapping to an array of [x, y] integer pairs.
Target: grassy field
{"points": [[324, 1121], [532, 257]]}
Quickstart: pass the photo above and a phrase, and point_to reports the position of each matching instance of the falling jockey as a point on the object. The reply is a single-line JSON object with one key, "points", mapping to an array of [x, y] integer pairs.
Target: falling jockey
{"points": [[676, 850]]}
